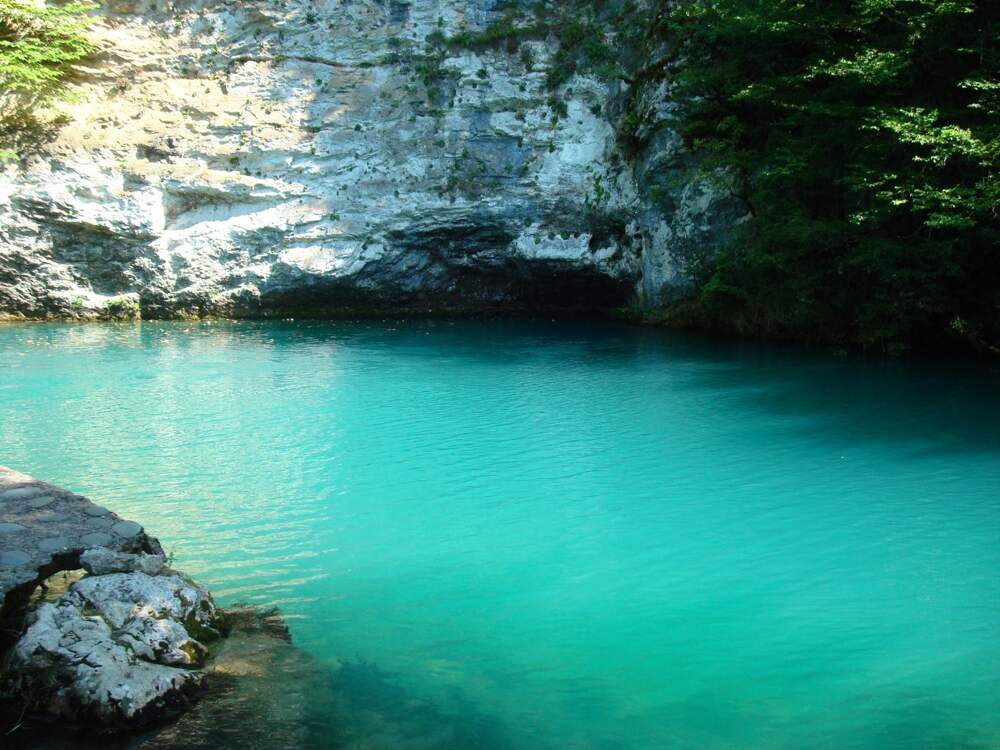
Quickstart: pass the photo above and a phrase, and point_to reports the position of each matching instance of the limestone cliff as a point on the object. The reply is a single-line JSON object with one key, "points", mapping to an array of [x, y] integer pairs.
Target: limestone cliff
{"points": [[285, 157]]}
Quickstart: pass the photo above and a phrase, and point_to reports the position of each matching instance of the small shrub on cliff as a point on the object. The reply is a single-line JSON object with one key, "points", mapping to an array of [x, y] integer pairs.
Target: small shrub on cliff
{"points": [[586, 32], [527, 57], [506, 32], [122, 308], [40, 47]]}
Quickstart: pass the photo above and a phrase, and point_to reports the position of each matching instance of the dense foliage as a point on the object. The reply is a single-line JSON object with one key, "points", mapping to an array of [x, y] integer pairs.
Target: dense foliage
{"points": [[864, 135], [39, 49]]}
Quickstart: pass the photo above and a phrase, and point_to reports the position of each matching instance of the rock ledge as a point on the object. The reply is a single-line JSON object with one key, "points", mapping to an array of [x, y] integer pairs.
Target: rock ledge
{"points": [[122, 647]]}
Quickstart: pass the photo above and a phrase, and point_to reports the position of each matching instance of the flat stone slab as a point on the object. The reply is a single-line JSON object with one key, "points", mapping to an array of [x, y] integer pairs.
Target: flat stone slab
{"points": [[39, 521], [41, 501], [126, 529], [97, 539], [14, 557], [20, 493], [55, 544]]}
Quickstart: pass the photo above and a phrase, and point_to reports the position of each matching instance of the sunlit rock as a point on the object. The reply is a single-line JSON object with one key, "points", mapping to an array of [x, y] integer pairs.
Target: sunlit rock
{"points": [[257, 158], [115, 649]]}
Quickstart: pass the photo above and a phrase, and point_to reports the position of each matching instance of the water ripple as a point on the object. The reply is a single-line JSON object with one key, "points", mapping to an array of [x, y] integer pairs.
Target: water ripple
{"points": [[541, 535]]}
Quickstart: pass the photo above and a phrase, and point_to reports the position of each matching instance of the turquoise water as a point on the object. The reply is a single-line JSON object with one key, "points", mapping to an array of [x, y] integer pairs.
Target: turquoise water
{"points": [[554, 535]]}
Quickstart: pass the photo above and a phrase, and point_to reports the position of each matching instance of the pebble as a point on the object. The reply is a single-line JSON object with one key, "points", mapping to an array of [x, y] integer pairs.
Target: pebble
{"points": [[41, 502], [11, 528], [96, 510]]}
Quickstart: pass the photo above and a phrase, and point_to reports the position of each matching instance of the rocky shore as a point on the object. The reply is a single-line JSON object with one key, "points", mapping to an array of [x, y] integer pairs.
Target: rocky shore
{"points": [[99, 633]]}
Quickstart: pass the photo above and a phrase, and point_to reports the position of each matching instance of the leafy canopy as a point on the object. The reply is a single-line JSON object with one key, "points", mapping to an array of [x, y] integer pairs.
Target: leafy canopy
{"points": [[40, 46], [864, 135]]}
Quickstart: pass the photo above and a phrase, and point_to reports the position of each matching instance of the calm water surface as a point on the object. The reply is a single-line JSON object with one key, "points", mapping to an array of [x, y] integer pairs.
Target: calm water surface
{"points": [[556, 536]]}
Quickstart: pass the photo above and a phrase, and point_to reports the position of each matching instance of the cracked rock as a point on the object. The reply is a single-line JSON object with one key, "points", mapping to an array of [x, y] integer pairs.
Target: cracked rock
{"points": [[119, 649]]}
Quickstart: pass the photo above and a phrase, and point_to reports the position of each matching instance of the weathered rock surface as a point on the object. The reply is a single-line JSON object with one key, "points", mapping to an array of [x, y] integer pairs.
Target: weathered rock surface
{"points": [[258, 158], [45, 529], [100, 561], [121, 647], [113, 649]]}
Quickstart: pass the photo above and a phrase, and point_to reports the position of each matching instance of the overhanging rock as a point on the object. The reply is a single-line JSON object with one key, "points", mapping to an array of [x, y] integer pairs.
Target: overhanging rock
{"points": [[45, 529]]}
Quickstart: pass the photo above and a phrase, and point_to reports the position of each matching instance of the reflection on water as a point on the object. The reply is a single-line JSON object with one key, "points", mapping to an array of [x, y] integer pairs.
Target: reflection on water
{"points": [[584, 537]]}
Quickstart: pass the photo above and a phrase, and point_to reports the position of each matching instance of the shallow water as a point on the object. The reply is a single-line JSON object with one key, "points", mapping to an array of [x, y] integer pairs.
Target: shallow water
{"points": [[552, 535]]}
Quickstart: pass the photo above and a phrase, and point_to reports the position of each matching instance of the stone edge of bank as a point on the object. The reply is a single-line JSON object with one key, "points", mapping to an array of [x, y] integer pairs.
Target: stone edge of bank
{"points": [[122, 648]]}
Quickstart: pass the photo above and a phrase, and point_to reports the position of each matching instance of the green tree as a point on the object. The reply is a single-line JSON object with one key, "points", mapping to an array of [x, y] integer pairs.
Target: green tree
{"points": [[864, 137], [40, 46]]}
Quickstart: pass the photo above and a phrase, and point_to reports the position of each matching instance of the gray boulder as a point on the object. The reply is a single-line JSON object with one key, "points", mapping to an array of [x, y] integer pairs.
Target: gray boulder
{"points": [[100, 561], [118, 597], [117, 649]]}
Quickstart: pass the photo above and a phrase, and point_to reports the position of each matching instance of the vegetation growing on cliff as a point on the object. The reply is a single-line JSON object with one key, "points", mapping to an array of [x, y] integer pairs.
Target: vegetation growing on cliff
{"points": [[592, 36], [865, 138], [862, 135], [40, 47]]}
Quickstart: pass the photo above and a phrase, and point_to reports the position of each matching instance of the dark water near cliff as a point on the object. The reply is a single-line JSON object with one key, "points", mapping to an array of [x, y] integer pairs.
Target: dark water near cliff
{"points": [[583, 537]]}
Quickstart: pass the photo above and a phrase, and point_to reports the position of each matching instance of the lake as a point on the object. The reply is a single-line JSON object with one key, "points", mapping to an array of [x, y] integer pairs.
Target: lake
{"points": [[556, 535]]}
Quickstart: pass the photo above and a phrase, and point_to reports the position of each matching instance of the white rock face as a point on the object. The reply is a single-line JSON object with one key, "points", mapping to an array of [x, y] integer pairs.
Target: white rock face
{"points": [[121, 597], [254, 158], [117, 648]]}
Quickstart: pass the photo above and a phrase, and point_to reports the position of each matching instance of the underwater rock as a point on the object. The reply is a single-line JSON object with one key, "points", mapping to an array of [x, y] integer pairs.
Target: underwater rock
{"points": [[249, 618]]}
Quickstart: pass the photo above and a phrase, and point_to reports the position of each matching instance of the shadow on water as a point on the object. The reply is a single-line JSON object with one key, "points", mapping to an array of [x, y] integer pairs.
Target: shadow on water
{"points": [[930, 406], [914, 719], [375, 712], [267, 694], [923, 408]]}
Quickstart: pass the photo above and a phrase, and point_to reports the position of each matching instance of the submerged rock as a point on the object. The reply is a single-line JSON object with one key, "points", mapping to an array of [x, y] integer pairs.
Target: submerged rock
{"points": [[116, 649]]}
